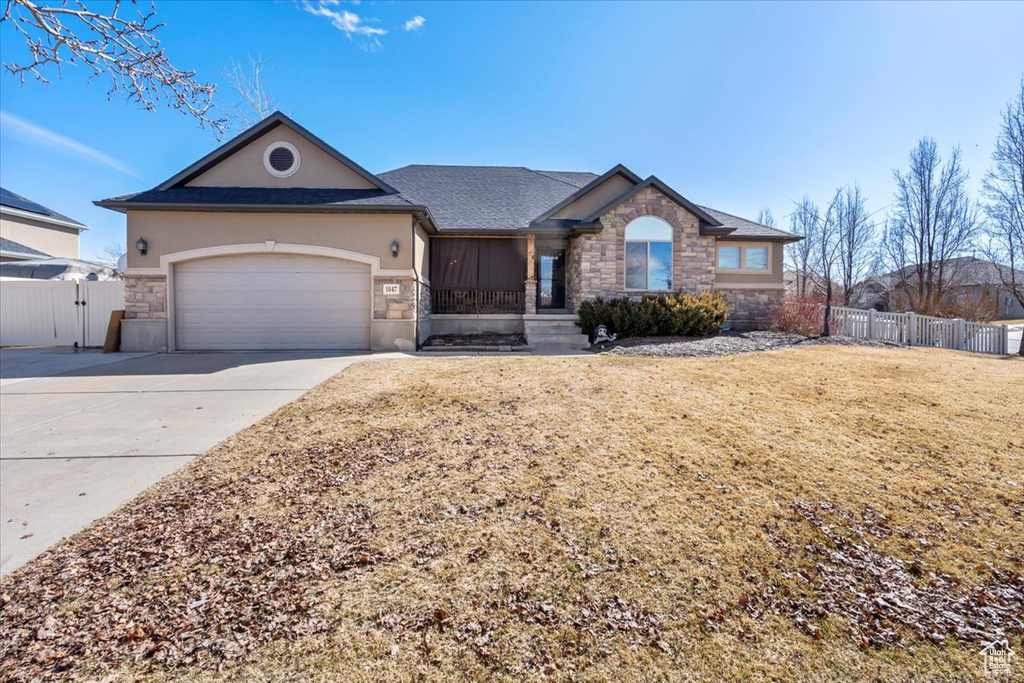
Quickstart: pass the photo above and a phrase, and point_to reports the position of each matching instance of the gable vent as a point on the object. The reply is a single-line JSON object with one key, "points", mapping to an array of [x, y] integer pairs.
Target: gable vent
{"points": [[281, 159]]}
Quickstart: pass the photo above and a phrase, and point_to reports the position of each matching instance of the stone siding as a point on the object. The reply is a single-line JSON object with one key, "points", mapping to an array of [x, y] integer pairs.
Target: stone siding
{"points": [[751, 309], [145, 297], [530, 297], [401, 306], [423, 302], [596, 262]]}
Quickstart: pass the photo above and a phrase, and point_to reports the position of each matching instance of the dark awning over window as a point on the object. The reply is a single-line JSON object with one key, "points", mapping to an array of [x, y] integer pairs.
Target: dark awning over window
{"points": [[477, 264]]}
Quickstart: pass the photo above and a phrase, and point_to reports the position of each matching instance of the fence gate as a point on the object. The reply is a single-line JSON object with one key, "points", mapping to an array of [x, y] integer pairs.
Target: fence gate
{"points": [[57, 312]]}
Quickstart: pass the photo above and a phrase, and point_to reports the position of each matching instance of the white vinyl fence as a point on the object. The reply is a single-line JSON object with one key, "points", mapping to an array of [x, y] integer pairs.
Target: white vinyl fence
{"points": [[920, 330], [57, 312]]}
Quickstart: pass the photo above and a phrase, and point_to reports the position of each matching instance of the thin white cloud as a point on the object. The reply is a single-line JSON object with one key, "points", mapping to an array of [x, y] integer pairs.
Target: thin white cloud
{"points": [[415, 24], [28, 132], [349, 23]]}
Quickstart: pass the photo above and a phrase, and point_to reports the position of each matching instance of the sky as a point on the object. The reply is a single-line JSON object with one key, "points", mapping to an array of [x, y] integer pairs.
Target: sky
{"points": [[735, 105]]}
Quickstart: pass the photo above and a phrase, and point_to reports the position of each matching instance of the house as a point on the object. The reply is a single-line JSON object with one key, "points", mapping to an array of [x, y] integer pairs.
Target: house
{"points": [[276, 240], [806, 283], [30, 231], [969, 280]]}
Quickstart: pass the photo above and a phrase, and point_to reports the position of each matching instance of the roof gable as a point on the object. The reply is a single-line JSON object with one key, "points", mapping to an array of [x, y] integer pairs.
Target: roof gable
{"points": [[708, 223], [239, 162], [594, 193]]}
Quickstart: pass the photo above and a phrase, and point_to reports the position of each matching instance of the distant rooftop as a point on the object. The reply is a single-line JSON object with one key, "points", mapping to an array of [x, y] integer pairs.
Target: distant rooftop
{"points": [[14, 200]]}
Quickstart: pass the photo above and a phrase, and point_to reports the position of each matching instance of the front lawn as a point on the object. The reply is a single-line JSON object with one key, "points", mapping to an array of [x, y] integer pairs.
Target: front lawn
{"points": [[821, 513]]}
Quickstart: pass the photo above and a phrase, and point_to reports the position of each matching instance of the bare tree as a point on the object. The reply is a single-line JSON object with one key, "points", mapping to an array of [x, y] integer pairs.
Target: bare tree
{"points": [[764, 217], [1004, 190], [803, 222], [933, 222], [856, 233], [113, 251], [826, 251], [126, 49], [255, 101]]}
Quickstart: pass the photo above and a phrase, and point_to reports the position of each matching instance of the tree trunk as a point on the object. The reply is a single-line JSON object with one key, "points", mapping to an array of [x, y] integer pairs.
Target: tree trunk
{"points": [[828, 311]]}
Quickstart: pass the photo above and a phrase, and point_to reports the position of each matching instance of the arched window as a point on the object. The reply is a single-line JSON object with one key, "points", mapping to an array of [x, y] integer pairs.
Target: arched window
{"points": [[649, 254]]}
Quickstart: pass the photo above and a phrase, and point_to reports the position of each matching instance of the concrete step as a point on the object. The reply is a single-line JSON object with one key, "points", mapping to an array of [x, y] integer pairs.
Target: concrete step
{"points": [[553, 329], [536, 339], [551, 346]]}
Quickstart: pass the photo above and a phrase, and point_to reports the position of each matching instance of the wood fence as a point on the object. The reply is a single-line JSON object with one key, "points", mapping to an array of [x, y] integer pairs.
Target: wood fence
{"points": [[920, 330]]}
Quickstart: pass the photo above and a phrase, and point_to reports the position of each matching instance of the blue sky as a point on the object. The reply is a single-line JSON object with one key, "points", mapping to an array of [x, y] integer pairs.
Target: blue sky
{"points": [[736, 105]]}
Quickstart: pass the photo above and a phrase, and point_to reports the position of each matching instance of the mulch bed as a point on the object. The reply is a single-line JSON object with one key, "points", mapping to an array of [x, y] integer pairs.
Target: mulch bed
{"points": [[486, 339], [725, 344]]}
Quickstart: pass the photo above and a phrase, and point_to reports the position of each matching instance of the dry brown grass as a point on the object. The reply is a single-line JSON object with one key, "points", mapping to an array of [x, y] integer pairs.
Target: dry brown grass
{"points": [[597, 518]]}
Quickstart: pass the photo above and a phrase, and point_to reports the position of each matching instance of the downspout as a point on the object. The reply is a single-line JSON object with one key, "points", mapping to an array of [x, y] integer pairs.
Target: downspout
{"points": [[415, 287]]}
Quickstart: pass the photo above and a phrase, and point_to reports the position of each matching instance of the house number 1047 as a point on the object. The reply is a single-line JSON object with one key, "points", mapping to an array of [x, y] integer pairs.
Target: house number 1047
{"points": [[392, 289]]}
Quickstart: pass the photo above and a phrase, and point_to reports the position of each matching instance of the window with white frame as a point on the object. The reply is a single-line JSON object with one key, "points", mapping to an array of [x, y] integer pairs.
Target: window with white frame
{"points": [[649, 254], [744, 258]]}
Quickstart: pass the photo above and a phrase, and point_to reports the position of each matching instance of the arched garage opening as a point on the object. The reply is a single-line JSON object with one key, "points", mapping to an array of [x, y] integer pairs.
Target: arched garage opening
{"points": [[271, 300]]}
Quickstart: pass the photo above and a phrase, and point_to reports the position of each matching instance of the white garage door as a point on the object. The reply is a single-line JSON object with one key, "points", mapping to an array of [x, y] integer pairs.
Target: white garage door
{"points": [[271, 301]]}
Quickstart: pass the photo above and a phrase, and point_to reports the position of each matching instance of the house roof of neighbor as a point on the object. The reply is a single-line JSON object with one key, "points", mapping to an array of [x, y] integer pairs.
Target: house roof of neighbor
{"points": [[13, 200]]}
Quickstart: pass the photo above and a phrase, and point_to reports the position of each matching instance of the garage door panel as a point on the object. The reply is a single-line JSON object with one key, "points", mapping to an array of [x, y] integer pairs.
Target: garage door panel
{"points": [[272, 301]]}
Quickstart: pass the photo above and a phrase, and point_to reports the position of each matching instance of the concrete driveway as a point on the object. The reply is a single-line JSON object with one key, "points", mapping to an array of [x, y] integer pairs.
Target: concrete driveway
{"points": [[81, 434]]}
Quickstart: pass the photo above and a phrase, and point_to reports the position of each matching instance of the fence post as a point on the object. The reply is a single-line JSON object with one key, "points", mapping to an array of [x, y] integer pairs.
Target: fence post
{"points": [[912, 329], [871, 323], [961, 333], [1004, 340]]}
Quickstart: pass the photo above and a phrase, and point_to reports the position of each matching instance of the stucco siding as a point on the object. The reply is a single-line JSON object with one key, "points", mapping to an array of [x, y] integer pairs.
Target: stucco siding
{"points": [[422, 253], [596, 198], [245, 167], [773, 277], [50, 239], [168, 232]]}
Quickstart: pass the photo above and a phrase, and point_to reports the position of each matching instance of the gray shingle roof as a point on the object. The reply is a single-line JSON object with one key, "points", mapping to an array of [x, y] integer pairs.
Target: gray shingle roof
{"points": [[577, 178], [744, 229], [16, 201], [263, 196], [8, 247], [484, 197]]}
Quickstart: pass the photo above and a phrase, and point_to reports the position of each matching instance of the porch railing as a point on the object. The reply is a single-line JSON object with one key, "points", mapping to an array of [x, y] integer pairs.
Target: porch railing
{"points": [[477, 301]]}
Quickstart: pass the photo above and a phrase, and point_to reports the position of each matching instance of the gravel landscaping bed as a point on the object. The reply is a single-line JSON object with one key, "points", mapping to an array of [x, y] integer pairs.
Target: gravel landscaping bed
{"points": [[486, 339], [726, 343]]}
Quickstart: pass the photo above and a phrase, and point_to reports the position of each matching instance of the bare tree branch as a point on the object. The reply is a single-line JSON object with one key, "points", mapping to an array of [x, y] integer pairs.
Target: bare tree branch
{"points": [[127, 50], [255, 101], [1004, 190], [803, 222], [764, 217], [856, 233], [113, 252], [934, 221], [826, 251]]}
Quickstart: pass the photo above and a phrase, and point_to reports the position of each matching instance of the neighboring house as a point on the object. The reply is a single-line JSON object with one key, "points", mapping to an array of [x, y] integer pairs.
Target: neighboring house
{"points": [[31, 231], [806, 283], [278, 241], [968, 278]]}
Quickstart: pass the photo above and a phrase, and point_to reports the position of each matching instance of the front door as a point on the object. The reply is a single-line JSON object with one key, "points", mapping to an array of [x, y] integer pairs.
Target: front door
{"points": [[551, 283]]}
